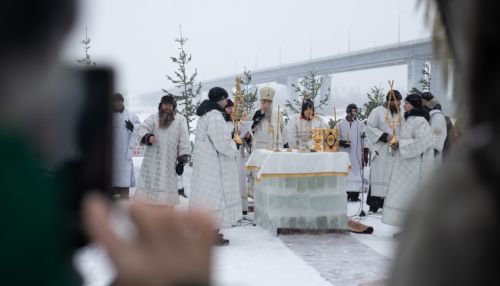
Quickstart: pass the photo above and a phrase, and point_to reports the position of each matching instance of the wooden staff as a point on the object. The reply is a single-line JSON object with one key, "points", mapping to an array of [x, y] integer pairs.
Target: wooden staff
{"points": [[278, 129], [388, 119]]}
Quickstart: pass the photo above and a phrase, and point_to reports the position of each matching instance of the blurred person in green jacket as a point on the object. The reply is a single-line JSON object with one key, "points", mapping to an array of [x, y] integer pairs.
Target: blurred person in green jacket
{"points": [[37, 227]]}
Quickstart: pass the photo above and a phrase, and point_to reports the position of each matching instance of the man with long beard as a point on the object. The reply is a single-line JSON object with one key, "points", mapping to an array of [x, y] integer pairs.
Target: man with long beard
{"points": [[125, 125], [166, 137]]}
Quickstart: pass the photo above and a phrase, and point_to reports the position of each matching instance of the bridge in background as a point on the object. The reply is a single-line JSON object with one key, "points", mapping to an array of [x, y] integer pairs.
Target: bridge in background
{"points": [[413, 54]]}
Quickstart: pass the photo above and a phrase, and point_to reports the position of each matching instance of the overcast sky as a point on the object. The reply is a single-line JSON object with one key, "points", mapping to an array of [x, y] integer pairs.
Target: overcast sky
{"points": [[137, 37]]}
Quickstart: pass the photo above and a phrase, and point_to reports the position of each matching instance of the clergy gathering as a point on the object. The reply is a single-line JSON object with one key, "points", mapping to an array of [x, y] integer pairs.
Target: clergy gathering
{"points": [[375, 165]]}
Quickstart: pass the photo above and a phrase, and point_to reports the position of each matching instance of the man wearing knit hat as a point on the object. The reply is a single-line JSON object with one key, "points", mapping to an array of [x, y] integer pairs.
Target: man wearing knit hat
{"points": [[414, 161], [438, 124], [379, 133], [265, 120], [214, 183], [166, 138], [125, 126]]}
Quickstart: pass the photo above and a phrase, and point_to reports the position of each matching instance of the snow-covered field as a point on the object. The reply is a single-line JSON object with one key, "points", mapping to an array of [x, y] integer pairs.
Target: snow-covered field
{"points": [[254, 257]]}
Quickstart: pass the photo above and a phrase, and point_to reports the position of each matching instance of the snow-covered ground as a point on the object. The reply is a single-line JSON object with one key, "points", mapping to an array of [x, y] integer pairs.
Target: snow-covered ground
{"points": [[254, 257]]}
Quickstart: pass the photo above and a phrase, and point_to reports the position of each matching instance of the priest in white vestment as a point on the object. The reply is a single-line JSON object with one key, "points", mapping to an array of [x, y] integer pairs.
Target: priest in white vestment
{"points": [[414, 161], [214, 185], [352, 141], [125, 127], [240, 158], [438, 125], [379, 133], [166, 137], [266, 133]]}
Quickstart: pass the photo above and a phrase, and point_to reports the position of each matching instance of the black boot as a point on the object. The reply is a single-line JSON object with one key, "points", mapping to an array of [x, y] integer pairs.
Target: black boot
{"points": [[181, 193], [375, 203], [353, 196]]}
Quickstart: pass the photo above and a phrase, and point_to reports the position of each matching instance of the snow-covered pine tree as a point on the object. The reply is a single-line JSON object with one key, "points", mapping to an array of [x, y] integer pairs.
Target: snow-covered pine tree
{"points": [[86, 60], [376, 98], [308, 88], [425, 81], [186, 84]]}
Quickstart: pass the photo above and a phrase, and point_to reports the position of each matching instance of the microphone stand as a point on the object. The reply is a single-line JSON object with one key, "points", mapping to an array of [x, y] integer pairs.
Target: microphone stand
{"points": [[362, 212]]}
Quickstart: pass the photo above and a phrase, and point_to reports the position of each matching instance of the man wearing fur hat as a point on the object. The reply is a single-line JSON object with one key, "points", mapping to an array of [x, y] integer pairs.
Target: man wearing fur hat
{"points": [[166, 137], [414, 160], [125, 126], [438, 124], [214, 184], [265, 119], [379, 134]]}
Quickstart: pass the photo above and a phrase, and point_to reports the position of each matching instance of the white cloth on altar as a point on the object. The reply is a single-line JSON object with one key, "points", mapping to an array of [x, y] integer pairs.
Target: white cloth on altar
{"points": [[257, 158], [288, 163]]}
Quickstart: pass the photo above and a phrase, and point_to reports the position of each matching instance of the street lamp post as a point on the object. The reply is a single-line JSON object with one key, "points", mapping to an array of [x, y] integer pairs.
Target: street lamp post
{"points": [[349, 39], [399, 25]]}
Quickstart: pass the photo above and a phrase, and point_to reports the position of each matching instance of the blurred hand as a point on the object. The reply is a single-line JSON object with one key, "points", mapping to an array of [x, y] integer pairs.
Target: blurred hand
{"points": [[152, 140], [366, 156], [129, 125], [170, 248], [395, 146], [345, 144], [389, 138]]}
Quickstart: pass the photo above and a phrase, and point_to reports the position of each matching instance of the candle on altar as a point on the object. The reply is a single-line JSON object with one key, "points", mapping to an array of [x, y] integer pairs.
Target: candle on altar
{"points": [[301, 119], [278, 126], [335, 115]]}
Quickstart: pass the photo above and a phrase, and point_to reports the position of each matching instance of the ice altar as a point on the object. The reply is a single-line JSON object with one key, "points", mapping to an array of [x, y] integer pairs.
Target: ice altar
{"points": [[296, 190]]}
